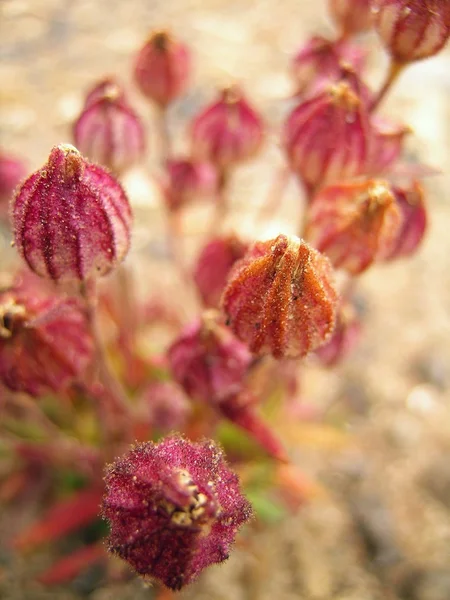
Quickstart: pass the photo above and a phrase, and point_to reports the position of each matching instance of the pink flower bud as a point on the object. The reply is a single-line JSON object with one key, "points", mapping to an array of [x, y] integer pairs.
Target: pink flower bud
{"points": [[208, 361], [228, 131], [387, 144], [108, 131], [214, 265], [344, 338], [44, 339], [187, 180], [104, 87], [162, 68], [71, 218], [174, 509], [319, 63], [166, 404], [12, 171], [412, 29], [281, 299], [354, 224], [351, 16], [411, 203], [327, 137]]}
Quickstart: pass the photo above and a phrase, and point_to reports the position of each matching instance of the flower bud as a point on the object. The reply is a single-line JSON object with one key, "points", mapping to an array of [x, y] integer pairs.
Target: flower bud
{"points": [[44, 339], [162, 68], [174, 508], [71, 218], [187, 180], [412, 29], [318, 63], [281, 299], [351, 16], [105, 87], [214, 265], [108, 131], [354, 224], [387, 144], [344, 338], [12, 171], [327, 137], [228, 131], [208, 361], [166, 404], [411, 203]]}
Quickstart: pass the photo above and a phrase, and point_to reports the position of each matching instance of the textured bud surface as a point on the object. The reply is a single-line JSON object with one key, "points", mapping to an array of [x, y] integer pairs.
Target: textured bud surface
{"points": [[351, 16], [355, 224], [187, 180], [108, 131], [44, 339], [71, 218], [327, 137], [280, 298], [174, 509], [214, 265], [228, 131], [412, 29], [208, 361], [162, 68]]}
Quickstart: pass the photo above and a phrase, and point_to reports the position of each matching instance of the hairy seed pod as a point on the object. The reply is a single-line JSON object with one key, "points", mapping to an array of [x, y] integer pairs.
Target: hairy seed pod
{"points": [[71, 218], [174, 508], [281, 299]]}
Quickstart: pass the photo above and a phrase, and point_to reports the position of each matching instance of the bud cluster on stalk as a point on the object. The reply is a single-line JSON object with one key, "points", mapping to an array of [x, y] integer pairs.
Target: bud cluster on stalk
{"points": [[253, 307]]}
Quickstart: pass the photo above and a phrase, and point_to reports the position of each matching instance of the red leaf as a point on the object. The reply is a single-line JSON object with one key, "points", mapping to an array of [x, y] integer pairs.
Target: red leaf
{"points": [[70, 566]]}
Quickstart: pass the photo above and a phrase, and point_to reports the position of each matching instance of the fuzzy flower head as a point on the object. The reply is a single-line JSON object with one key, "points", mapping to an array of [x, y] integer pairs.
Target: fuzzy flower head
{"points": [[281, 299], [162, 68], [227, 132], [355, 224], [71, 218], [174, 509], [186, 181], [108, 131], [412, 29], [208, 361], [44, 339]]}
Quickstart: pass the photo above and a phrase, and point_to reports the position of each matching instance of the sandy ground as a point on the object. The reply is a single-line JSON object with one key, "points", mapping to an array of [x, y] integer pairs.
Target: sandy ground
{"points": [[382, 529]]}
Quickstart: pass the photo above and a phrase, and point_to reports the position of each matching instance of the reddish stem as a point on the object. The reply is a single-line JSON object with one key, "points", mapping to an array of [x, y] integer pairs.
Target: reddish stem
{"points": [[395, 69]]}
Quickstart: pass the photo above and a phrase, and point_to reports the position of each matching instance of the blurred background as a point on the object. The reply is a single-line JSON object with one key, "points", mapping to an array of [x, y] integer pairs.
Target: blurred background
{"points": [[378, 527]]}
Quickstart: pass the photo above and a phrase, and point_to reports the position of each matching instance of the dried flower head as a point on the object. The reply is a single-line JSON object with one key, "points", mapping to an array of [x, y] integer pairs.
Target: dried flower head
{"points": [[71, 218], [281, 299], [319, 63], [351, 16], [412, 29], [327, 137], [162, 68], [411, 202], [387, 144], [187, 180], [167, 406], [208, 361], [354, 224], [44, 339], [105, 87], [108, 131], [228, 131], [214, 265], [174, 509]]}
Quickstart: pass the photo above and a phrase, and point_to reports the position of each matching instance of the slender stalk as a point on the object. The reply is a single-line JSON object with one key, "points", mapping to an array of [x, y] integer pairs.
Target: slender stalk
{"points": [[395, 69], [115, 405], [162, 129], [222, 203]]}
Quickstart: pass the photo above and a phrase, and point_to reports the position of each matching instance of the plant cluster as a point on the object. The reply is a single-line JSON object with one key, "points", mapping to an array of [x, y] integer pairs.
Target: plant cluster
{"points": [[78, 391]]}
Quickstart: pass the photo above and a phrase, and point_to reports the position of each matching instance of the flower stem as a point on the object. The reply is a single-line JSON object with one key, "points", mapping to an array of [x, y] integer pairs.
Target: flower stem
{"points": [[222, 204], [162, 129], [395, 69], [115, 404]]}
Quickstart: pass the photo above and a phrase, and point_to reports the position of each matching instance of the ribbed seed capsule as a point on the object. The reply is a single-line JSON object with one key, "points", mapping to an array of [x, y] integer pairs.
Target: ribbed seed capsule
{"points": [[281, 299], [71, 218]]}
